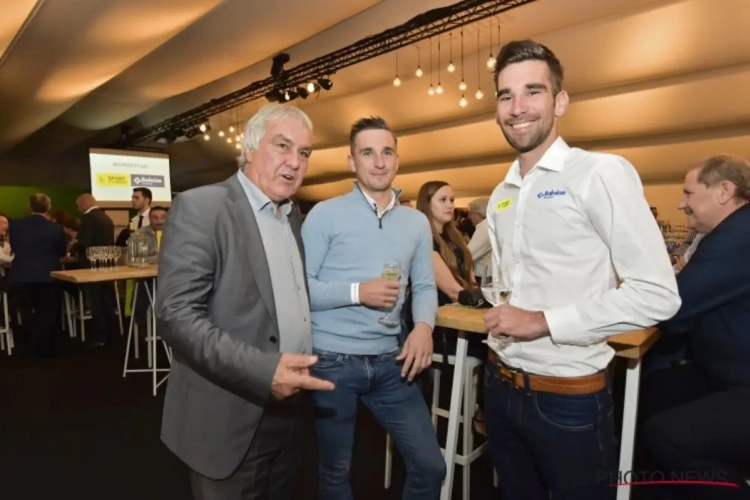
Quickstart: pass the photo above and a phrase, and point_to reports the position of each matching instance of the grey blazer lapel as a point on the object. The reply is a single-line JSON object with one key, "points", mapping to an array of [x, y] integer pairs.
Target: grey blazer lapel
{"points": [[242, 213]]}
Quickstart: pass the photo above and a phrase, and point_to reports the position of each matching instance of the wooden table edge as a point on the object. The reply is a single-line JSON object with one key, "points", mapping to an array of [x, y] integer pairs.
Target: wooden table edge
{"points": [[622, 349]]}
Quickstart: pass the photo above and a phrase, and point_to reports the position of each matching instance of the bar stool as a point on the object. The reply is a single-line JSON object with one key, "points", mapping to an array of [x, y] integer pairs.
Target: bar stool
{"points": [[6, 334], [468, 453]]}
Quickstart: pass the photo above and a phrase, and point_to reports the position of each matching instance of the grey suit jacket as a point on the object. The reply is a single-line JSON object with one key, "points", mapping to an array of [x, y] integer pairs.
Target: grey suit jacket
{"points": [[215, 308]]}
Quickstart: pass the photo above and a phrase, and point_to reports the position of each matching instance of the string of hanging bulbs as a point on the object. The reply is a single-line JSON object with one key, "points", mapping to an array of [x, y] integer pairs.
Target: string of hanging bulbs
{"points": [[451, 67]]}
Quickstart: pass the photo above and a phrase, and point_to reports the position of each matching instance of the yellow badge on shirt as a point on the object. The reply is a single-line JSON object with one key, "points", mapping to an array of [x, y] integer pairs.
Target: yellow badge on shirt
{"points": [[503, 204]]}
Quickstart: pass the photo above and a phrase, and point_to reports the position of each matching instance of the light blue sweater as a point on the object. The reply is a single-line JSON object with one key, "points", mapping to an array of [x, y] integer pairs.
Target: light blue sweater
{"points": [[346, 243]]}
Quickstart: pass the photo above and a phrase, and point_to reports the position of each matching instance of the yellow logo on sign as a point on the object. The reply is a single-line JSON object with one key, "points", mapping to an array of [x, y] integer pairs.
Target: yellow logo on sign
{"points": [[112, 180], [503, 204]]}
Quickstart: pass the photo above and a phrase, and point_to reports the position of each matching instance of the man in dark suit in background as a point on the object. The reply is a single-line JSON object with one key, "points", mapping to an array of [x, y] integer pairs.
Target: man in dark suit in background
{"points": [[232, 304], [97, 230], [39, 244], [698, 412]]}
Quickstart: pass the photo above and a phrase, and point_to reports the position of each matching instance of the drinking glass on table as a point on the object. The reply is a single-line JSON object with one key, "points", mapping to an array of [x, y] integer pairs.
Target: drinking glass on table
{"points": [[496, 289], [391, 272]]}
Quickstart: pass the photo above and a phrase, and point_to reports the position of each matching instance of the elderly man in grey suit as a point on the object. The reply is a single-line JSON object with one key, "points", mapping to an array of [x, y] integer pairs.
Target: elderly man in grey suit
{"points": [[233, 305]]}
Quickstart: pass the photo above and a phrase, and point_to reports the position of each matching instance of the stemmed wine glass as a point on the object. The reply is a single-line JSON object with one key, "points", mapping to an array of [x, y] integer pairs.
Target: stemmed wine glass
{"points": [[496, 288], [391, 272]]}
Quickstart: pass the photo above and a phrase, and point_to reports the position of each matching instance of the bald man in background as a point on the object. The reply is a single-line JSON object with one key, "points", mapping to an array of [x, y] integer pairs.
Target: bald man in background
{"points": [[97, 230]]}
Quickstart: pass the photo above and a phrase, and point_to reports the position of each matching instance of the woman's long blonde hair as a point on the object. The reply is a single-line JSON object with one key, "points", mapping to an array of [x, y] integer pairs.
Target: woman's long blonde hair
{"points": [[426, 192]]}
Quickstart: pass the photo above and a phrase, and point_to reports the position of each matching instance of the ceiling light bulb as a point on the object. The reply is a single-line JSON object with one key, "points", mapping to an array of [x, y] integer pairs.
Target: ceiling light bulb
{"points": [[479, 94], [396, 81], [491, 62], [463, 102], [237, 138], [237, 146], [431, 90], [462, 86], [439, 89], [229, 140], [451, 68], [311, 87], [206, 137], [202, 128], [221, 133], [286, 95], [418, 72], [231, 129]]}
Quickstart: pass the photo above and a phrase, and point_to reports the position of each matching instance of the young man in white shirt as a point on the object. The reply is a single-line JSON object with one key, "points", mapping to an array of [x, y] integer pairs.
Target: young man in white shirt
{"points": [[565, 225]]}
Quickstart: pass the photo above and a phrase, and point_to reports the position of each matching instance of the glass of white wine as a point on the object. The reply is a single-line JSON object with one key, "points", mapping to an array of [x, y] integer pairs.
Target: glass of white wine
{"points": [[496, 289], [391, 272]]}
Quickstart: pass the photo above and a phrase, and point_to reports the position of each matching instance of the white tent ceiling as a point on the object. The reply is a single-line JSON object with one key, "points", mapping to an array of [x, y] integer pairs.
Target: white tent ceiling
{"points": [[660, 82]]}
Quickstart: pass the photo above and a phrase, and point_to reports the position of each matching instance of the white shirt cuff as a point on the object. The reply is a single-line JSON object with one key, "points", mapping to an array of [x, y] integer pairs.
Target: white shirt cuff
{"points": [[565, 326], [354, 294]]}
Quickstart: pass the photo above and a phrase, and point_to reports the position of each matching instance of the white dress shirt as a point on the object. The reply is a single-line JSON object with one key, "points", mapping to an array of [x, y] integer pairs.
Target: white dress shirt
{"points": [[564, 234], [145, 223], [481, 250], [5, 256]]}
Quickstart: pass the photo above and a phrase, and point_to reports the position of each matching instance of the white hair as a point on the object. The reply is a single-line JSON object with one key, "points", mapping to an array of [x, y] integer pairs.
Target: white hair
{"points": [[479, 205], [258, 125]]}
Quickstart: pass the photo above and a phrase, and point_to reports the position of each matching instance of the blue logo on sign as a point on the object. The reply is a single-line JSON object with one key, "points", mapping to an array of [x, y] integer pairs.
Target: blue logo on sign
{"points": [[550, 193]]}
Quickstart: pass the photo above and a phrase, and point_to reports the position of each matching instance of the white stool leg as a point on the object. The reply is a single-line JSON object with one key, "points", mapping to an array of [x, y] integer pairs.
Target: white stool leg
{"points": [[82, 313], [468, 437], [119, 309], [435, 396], [6, 337], [133, 328]]}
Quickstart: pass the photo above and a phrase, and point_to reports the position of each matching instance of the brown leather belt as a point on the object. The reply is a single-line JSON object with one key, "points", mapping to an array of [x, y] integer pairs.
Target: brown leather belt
{"points": [[543, 383]]}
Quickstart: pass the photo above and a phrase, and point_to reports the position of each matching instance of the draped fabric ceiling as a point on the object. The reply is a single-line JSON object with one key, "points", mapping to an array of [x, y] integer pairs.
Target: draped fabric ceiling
{"points": [[659, 82]]}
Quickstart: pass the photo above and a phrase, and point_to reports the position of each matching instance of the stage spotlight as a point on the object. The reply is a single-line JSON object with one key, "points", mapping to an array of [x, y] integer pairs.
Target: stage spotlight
{"points": [[325, 83], [302, 92], [274, 95]]}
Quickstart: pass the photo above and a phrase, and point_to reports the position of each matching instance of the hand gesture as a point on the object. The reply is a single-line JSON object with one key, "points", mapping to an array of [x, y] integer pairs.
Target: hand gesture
{"points": [[379, 293], [514, 322], [417, 351], [293, 374]]}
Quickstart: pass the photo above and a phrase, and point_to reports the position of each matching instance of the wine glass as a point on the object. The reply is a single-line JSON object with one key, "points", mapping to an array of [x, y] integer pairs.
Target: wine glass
{"points": [[496, 288], [391, 272]]}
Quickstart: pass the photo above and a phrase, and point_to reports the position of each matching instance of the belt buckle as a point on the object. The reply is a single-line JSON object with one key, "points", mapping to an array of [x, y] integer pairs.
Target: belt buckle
{"points": [[508, 375]]}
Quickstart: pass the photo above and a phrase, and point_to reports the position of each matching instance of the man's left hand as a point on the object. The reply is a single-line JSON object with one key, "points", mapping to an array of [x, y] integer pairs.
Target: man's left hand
{"points": [[517, 323], [417, 351]]}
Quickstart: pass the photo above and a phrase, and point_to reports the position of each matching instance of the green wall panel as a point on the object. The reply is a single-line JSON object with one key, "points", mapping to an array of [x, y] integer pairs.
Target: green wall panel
{"points": [[14, 200]]}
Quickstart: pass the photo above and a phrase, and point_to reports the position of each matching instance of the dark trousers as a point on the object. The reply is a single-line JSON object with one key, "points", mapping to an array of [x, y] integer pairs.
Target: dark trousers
{"points": [[270, 469], [100, 299], [545, 445], [45, 325], [695, 430]]}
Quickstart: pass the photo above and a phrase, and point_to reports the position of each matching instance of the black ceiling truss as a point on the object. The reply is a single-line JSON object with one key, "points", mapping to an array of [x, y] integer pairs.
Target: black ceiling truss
{"points": [[281, 81]]}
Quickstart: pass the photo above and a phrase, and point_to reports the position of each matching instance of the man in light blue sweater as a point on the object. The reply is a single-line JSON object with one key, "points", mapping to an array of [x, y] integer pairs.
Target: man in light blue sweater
{"points": [[348, 242]]}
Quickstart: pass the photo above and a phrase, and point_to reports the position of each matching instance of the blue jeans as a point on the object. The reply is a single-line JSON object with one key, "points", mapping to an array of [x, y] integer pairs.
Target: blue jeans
{"points": [[545, 445], [399, 407]]}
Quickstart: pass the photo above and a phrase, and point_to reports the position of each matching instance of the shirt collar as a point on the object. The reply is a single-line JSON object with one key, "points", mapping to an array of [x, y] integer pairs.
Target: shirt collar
{"points": [[90, 209], [257, 198], [395, 193], [553, 160]]}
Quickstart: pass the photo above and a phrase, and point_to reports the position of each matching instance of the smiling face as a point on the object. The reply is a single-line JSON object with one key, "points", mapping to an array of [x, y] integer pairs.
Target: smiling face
{"points": [[442, 205], [279, 165], [157, 219], [527, 109], [374, 160]]}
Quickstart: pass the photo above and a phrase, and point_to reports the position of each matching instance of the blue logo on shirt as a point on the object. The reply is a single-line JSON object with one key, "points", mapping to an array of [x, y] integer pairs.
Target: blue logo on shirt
{"points": [[550, 193]]}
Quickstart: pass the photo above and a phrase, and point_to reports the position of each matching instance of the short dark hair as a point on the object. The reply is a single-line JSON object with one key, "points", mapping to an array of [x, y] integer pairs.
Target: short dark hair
{"points": [[370, 123], [728, 168], [529, 50], [159, 207], [146, 192], [40, 203]]}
